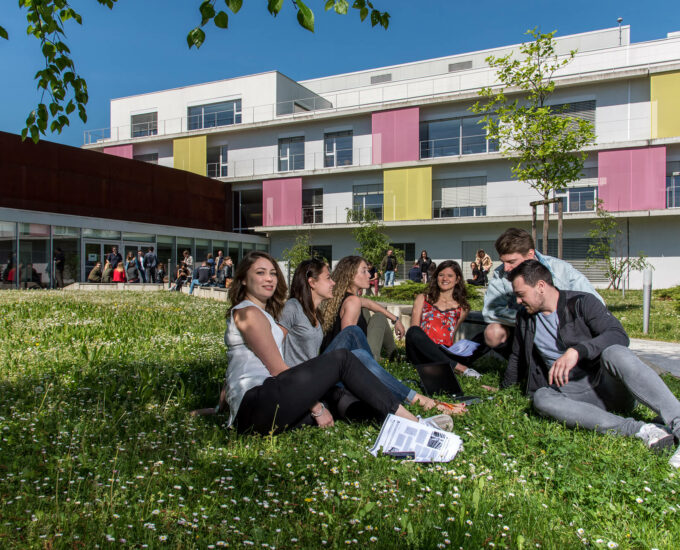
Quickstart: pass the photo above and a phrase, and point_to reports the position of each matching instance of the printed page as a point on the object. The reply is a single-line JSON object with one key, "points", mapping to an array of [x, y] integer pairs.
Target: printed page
{"points": [[429, 444]]}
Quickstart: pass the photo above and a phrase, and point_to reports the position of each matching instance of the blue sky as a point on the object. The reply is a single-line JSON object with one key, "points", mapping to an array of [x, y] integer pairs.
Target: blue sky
{"points": [[140, 45]]}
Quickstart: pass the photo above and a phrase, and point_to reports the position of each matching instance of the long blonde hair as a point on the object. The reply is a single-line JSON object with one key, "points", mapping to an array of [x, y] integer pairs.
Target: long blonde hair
{"points": [[343, 275]]}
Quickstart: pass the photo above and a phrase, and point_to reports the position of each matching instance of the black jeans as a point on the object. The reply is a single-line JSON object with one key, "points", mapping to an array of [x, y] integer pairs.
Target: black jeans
{"points": [[282, 402], [420, 350]]}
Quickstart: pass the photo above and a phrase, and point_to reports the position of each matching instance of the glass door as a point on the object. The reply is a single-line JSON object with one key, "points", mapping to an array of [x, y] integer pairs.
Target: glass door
{"points": [[93, 252]]}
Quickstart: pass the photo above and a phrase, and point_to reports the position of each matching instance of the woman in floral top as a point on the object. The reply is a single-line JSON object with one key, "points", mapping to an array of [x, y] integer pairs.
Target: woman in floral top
{"points": [[436, 317]]}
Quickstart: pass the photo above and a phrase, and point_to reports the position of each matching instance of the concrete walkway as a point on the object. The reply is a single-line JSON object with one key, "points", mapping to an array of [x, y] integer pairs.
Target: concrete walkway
{"points": [[661, 356]]}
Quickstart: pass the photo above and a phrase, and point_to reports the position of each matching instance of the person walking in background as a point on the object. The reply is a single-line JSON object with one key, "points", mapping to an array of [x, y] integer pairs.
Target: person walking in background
{"points": [[484, 264], [140, 265], [150, 263], [424, 262], [113, 258], [415, 274], [388, 266], [59, 261], [374, 278]]}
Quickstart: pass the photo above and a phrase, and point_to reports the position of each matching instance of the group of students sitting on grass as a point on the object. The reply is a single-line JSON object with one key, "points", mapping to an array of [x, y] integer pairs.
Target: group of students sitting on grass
{"points": [[308, 360]]}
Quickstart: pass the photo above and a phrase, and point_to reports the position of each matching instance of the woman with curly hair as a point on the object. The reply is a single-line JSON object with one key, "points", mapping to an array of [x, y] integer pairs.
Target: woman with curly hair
{"points": [[263, 393], [436, 317], [310, 287], [344, 309]]}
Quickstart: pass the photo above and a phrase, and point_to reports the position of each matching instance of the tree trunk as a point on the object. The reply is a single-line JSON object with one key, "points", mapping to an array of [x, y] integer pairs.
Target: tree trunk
{"points": [[546, 226], [534, 236], [560, 229]]}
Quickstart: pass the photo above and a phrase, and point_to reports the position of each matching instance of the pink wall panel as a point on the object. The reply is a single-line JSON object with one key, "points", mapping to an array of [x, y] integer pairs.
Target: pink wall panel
{"points": [[124, 151], [396, 135], [632, 179], [282, 202]]}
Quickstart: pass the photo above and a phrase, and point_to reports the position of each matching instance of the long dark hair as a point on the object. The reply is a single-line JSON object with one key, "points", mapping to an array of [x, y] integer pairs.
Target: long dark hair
{"points": [[237, 290], [459, 289], [299, 287]]}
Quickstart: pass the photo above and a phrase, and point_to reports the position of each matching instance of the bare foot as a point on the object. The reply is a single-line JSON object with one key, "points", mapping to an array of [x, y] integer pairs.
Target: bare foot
{"points": [[428, 403], [460, 368], [489, 388]]}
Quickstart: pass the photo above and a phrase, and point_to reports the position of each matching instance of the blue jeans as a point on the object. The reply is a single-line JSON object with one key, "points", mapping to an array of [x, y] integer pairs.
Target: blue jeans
{"points": [[389, 278], [194, 282], [353, 338]]}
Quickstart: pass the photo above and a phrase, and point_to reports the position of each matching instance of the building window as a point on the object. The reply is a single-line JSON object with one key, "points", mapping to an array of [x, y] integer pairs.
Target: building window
{"points": [[338, 149], [217, 161], [577, 199], [144, 125], [214, 114], [291, 154], [247, 210], [584, 110], [453, 137], [312, 206], [368, 198], [673, 184], [151, 158], [459, 197]]}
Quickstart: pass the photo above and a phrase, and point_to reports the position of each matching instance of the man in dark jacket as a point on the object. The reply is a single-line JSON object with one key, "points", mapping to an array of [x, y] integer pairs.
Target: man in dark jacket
{"points": [[150, 263], [572, 354]]}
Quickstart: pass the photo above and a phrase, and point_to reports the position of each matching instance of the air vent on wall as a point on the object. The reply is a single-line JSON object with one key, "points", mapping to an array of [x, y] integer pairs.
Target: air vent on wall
{"points": [[380, 78], [460, 66]]}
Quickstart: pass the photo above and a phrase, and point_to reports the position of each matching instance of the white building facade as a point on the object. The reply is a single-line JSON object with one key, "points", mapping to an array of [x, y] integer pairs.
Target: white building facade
{"points": [[402, 142]]}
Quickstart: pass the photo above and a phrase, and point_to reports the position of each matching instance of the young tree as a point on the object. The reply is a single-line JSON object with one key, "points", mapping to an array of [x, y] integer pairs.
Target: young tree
{"points": [[373, 243], [608, 249], [300, 251], [63, 90], [544, 145]]}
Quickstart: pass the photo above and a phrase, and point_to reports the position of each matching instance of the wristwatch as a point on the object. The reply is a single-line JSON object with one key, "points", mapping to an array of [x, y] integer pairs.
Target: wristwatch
{"points": [[394, 321]]}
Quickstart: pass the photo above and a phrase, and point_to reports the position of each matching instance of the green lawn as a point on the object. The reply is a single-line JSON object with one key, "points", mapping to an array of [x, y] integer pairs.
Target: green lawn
{"points": [[97, 446]]}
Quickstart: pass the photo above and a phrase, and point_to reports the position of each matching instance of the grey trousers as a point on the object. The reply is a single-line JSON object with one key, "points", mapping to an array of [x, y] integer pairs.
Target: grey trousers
{"points": [[379, 334], [590, 403]]}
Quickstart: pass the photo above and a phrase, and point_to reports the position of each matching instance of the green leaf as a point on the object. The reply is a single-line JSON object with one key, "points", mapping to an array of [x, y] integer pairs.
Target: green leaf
{"points": [[234, 5], [3, 33], [35, 134], [207, 11], [329, 4], [274, 6], [196, 37], [70, 107], [221, 20], [305, 16], [341, 7], [363, 13]]}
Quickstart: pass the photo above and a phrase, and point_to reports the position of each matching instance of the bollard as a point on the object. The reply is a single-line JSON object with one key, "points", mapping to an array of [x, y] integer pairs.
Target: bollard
{"points": [[646, 299]]}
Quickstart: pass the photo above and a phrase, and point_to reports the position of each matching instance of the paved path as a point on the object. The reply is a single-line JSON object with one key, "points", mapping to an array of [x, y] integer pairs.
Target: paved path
{"points": [[661, 356]]}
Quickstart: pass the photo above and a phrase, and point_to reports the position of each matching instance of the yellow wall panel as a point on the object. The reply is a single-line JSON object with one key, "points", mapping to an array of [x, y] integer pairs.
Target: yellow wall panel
{"points": [[190, 154], [407, 194], [665, 100]]}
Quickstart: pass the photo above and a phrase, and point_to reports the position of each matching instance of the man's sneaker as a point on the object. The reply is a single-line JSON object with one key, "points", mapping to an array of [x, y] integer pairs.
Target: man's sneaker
{"points": [[675, 459], [472, 373], [438, 422], [656, 438]]}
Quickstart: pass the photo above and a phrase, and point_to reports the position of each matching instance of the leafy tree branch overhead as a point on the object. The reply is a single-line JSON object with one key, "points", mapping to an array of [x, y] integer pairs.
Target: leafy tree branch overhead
{"points": [[63, 90]]}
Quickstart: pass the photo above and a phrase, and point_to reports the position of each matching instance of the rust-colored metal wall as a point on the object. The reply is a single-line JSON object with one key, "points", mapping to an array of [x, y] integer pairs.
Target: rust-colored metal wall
{"points": [[49, 177]]}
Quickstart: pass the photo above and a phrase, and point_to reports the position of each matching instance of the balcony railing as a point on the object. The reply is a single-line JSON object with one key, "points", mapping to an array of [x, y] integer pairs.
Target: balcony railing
{"points": [[673, 192], [216, 169], [439, 211], [455, 146], [634, 56], [358, 156]]}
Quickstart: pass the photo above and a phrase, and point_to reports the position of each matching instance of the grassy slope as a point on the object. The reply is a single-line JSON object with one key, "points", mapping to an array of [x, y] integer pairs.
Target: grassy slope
{"points": [[96, 443]]}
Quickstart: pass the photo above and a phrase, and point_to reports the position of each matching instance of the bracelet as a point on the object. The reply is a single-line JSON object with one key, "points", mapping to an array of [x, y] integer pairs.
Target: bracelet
{"points": [[394, 321], [317, 415]]}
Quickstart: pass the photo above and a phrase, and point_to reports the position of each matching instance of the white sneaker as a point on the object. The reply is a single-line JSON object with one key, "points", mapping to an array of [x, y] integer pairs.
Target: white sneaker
{"points": [[656, 438], [472, 373], [675, 459], [438, 422]]}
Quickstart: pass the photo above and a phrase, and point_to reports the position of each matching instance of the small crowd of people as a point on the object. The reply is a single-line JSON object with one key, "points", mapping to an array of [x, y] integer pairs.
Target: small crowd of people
{"points": [[312, 358], [139, 268], [213, 272]]}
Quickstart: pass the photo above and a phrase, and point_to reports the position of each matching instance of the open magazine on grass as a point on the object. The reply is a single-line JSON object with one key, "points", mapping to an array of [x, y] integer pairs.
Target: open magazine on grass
{"points": [[402, 437]]}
